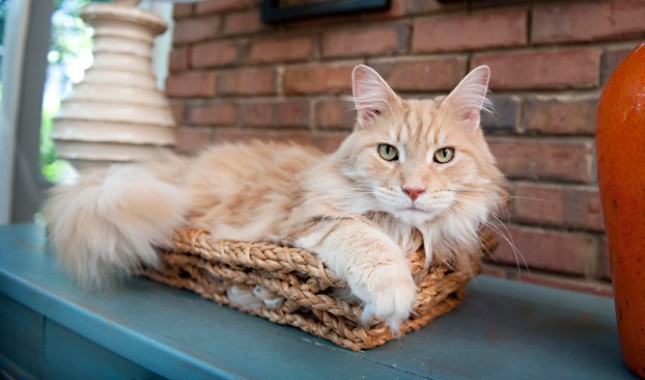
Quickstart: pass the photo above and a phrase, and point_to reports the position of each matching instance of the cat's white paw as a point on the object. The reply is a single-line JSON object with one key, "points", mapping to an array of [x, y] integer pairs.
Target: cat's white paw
{"points": [[389, 293]]}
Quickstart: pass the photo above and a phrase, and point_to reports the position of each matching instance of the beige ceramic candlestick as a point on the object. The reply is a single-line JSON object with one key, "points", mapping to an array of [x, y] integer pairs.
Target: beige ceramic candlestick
{"points": [[116, 114]]}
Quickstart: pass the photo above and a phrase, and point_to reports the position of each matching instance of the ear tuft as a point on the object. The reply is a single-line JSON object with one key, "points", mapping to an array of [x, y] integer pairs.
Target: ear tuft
{"points": [[468, 99], [372, 95]]}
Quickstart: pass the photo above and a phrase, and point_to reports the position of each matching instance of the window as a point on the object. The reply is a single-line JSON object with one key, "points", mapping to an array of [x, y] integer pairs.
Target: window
{"points": [[25, 24], [36, 80]]}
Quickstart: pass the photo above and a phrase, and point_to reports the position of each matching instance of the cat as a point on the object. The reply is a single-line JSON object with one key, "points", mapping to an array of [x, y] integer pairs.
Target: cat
{"points": [[412, 174]]}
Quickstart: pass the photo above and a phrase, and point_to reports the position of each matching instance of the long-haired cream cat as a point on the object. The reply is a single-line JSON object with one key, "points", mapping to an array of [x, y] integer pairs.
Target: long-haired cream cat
{"points": [[412, 173]]}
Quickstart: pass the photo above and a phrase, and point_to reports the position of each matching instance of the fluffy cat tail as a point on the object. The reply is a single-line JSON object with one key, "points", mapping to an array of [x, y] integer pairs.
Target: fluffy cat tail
{"points": [[108, 223]]}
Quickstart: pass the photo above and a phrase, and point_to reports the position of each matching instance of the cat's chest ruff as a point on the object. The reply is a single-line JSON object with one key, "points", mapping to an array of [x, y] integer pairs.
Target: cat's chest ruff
{"points": [[406, 236]]}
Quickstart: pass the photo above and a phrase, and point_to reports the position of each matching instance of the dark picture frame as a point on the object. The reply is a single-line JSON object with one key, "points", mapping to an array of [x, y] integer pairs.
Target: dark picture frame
{"points": [[274, 11]]}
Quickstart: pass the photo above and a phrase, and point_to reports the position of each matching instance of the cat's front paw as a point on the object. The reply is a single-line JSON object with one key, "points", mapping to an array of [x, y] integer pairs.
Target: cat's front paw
{"points": [[389, 293]]}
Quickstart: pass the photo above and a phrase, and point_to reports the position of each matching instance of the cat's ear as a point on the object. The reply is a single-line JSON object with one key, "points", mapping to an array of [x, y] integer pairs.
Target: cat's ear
{"points": [[469, 97], [372, 95]]}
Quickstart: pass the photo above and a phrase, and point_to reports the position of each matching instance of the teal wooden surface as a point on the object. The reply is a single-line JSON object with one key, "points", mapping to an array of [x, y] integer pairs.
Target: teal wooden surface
{"points": [[10, 370], [67, 355], [504, 330], [21, 337]]}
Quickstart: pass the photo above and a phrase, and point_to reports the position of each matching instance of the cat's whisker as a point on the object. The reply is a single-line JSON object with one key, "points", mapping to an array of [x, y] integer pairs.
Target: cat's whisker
{"points": [[502, 232], [508, 238], [529, 198], [488, 194], [495, 194], [464, 191]]}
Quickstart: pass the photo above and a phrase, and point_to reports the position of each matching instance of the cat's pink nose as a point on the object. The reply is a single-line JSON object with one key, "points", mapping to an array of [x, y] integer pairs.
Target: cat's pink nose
{"points": [[413, 193]]}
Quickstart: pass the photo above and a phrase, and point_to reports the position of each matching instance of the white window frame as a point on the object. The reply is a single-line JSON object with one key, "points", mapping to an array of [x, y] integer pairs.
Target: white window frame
{"points": [[15, 39]]}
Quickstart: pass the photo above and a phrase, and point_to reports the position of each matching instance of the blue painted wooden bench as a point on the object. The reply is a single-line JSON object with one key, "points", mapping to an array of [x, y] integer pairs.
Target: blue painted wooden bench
{"points": [[504, 330]]}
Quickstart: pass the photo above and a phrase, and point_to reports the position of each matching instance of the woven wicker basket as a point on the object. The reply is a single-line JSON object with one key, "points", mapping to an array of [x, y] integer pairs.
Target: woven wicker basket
{"points": [[208, 268]]}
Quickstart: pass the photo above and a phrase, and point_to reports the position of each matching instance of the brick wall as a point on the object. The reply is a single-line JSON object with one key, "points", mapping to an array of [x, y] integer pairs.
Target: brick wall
{"points": [[233, 78]]}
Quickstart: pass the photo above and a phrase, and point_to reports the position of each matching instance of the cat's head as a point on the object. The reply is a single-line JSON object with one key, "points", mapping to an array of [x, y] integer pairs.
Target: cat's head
{"points": [[423, 160]]}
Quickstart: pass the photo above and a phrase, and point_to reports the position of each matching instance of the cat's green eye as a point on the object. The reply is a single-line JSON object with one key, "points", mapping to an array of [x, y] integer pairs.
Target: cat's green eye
{"points": [[444, 155], [388, 152]]}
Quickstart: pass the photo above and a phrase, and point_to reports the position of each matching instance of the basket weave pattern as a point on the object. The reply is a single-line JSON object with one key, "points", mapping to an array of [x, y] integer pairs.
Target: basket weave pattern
{"points": [[208, 267]]}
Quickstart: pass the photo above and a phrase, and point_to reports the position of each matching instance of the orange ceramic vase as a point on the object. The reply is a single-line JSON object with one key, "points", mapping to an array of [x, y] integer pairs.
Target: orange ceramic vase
{"points": [[620, 149]]}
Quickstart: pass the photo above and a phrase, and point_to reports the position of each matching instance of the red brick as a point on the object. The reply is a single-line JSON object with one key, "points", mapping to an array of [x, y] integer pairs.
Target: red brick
{"points": [[335, 114], [318, 78], [196, 29], [567, 283], [192, 140], [191, 84], [610, 60], [472, 31], [179, 111], [558, 205], [210, 6], [213, 114], [215, 54], [494, 270], [248, 81], [182, 10], [276, 114], [400, 8], [563, 252], [367, 41], [426, 74], [326, 142], [281, 49], [543, 69], [245, 22], [603, 267], [584, 209], [568, 160], [588, 21], [538, 204], [486, 4], [505, 115], [179, 59], [560, 116]]}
